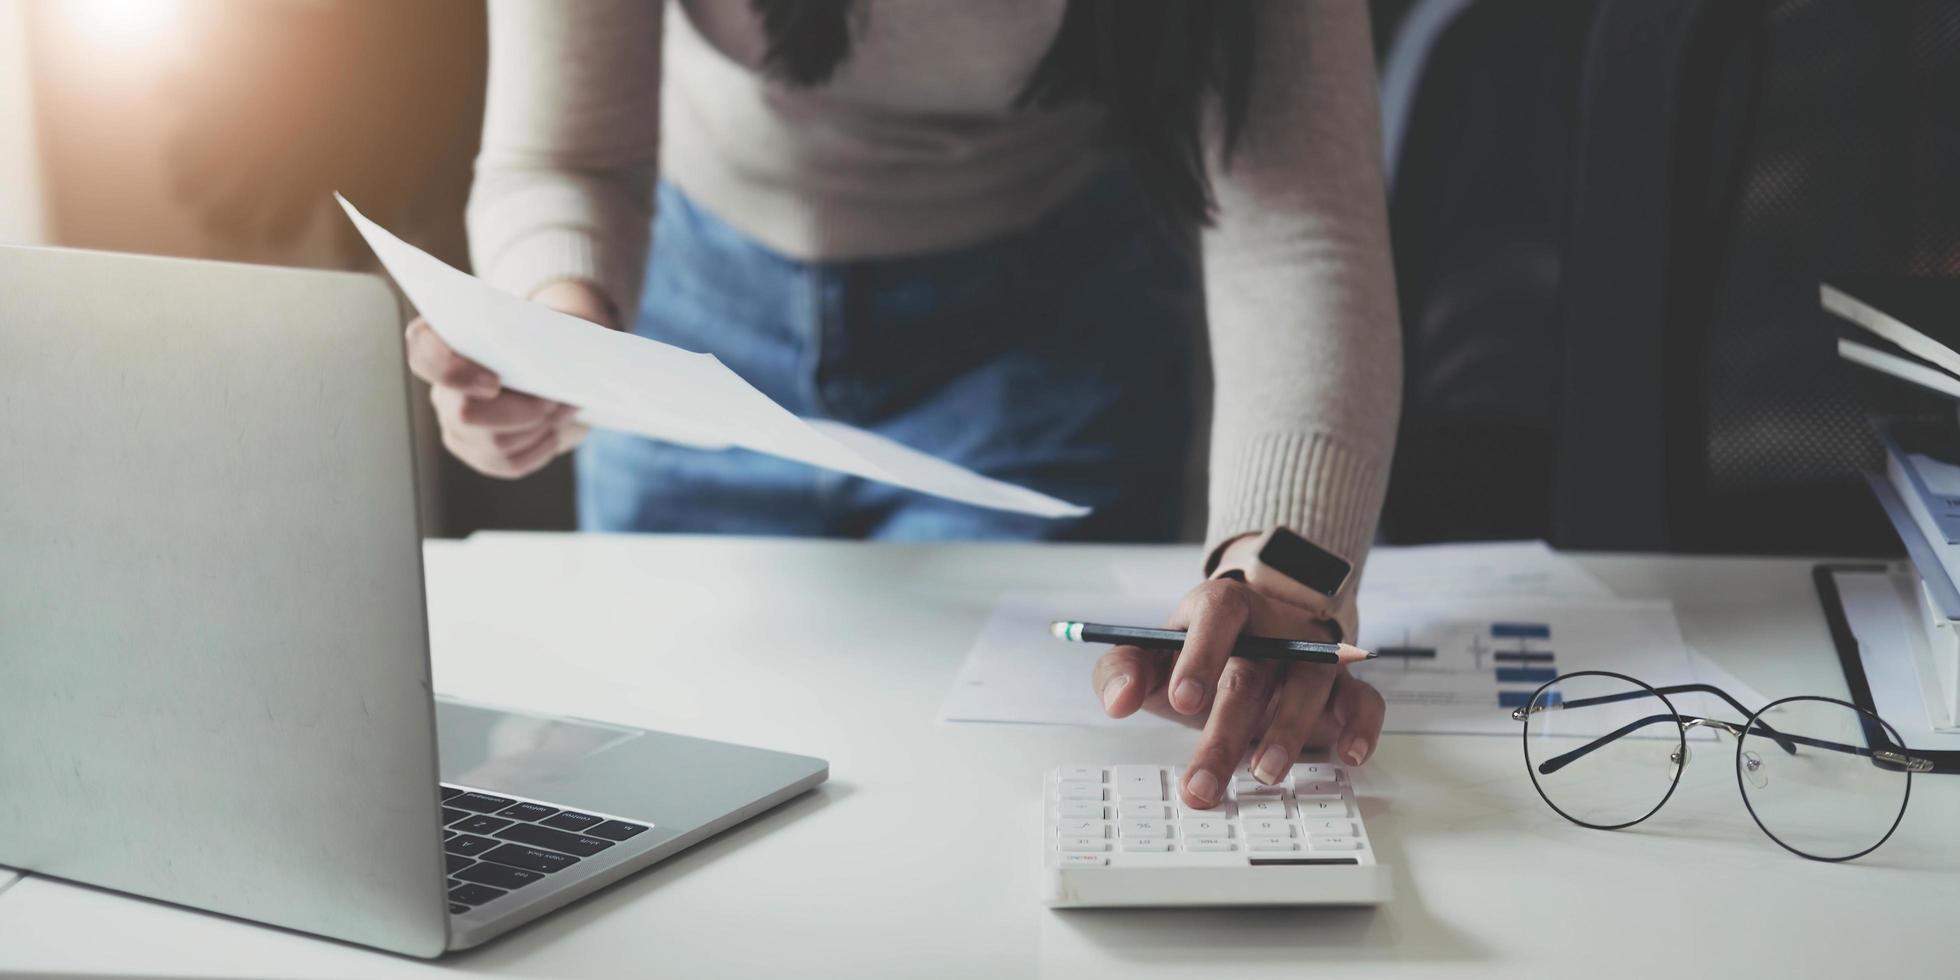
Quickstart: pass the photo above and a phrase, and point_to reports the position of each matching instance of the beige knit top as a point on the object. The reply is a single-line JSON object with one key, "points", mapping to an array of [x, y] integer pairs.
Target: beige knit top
{"points": [[915, 146]]}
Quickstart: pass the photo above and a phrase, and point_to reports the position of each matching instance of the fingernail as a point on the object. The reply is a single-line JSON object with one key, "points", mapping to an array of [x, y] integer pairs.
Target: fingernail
{"points": [[1112, 689], [1203, 786], [1357, 751], [1272, 765], [1187, 695]]}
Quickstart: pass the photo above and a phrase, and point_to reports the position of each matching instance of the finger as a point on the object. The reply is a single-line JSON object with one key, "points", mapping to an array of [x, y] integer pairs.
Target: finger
{"points": [[1125, 676], [1365, 711], [1243, 687], [570, 434], [510, 411], [530, 459], [433, 361], [1212, 614], [1301, 701], [511, 440]]}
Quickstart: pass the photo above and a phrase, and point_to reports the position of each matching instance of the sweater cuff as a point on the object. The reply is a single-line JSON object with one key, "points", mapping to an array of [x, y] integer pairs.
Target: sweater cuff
{"points": [[1311, 483], [549, 255]]}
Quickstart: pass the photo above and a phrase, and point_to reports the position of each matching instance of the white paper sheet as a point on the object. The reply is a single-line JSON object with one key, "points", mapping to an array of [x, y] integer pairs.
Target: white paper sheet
{"points": [[633, 384], [1481, 568], [1016, 672]]}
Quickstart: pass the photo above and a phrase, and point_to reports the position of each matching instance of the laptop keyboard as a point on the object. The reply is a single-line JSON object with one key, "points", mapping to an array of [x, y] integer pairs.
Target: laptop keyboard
{"points": [[495, 844]]}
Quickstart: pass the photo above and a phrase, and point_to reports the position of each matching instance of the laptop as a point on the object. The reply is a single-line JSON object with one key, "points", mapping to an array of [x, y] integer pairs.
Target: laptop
{"points": [[214, 670]]}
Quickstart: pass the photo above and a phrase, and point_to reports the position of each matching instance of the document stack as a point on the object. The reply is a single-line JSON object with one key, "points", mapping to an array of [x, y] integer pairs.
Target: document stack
{"points": [[1920, 488]]}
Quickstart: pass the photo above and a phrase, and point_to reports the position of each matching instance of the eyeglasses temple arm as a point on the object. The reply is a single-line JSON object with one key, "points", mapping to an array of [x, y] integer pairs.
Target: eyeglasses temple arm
{"points": [[1883, 758], [1762, 726]]}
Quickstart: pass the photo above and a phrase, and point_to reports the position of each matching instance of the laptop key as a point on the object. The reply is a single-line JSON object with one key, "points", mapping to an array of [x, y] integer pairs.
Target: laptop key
{"points": [[455, 909], [557, 840], [530, 858], [527, 811], [480, 802], [616, 830], [572, 820], [474, 894], [450, 815], [456, 862], [480, 824], [468, 844], [500, 875], [449, 791]]}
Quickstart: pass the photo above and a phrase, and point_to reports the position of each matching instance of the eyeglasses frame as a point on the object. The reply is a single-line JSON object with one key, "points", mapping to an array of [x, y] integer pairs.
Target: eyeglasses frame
{"points": [[1890, 753]]}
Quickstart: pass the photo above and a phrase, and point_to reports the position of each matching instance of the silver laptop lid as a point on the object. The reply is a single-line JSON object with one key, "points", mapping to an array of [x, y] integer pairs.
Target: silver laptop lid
{"points": [[214, 678]]}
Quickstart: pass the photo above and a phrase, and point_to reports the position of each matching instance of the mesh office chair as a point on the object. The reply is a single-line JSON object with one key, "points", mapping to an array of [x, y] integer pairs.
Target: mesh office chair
{"points": [[1722, 156]]}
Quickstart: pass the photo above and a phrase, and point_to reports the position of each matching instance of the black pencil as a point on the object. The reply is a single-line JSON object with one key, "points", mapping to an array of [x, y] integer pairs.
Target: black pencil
{"points": [[1250, 647]]}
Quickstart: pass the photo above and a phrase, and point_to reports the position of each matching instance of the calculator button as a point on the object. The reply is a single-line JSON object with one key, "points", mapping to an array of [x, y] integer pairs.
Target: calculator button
{"points": [[1092, 809], [1146, 844], [1270, 843], [1246, 784], [1333, 844], [1268, 828], [1139, 782], [1321, 807], [1314, 772], [1144, 828], [1143, 810], [1083, 860], [1331, 828], [1262, 808], [1076, 789], [1082, 828], [1209, 844], [1083, 844], [1318, 789], [1210, 827], [1085, 774]]}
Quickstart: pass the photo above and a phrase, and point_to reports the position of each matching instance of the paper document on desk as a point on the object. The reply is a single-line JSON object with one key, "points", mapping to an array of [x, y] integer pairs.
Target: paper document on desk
{"points": [[633, 384], [1449, 665]]}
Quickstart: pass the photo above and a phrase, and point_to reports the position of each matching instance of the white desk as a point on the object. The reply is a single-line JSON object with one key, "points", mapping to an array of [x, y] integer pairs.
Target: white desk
{"points": [[920, 856]]}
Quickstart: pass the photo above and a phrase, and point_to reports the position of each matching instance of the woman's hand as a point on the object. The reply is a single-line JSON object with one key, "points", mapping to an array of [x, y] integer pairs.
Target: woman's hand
{"points": [[1282, 707], [500, 433]]}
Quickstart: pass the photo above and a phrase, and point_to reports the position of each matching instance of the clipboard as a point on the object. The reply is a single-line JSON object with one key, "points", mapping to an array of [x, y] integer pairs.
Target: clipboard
{"points": [[1851, 659]]}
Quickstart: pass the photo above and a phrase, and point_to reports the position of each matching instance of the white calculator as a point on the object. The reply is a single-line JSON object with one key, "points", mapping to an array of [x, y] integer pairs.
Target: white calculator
{"points": [[1120, 835]]}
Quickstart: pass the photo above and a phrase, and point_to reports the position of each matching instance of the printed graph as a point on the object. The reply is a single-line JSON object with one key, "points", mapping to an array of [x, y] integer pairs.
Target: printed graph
{"points": [[1486, 665]]}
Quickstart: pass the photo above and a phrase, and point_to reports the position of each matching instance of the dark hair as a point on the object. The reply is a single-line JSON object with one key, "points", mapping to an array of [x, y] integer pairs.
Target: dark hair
{"points": [[1152, 66]]}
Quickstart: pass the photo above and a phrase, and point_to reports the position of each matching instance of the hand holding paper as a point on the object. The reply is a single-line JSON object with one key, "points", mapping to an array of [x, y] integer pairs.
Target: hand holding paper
{"points": [[637, 385]]}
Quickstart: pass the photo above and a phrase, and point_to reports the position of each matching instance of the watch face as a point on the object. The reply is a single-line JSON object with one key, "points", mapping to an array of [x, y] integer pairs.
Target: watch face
{"points": [[1304, 562]]}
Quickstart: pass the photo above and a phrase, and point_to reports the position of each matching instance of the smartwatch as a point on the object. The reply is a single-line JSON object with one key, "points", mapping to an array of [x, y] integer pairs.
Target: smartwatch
{"points": [[1292, 568]]}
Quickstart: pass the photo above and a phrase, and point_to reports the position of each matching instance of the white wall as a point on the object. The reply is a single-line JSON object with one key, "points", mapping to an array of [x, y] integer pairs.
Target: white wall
{"points": [[21, 219]]}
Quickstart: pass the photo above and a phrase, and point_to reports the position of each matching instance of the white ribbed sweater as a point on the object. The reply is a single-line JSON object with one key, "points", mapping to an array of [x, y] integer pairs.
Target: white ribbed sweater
{"points": [[914, 146]]}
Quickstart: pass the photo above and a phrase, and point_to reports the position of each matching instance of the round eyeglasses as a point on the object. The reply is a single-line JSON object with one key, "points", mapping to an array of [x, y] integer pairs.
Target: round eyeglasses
{"points": [[1824, 778]]}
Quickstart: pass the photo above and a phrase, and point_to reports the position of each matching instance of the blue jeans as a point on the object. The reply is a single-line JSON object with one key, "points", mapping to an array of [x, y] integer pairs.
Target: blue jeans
{"points": [[1055, 358]]}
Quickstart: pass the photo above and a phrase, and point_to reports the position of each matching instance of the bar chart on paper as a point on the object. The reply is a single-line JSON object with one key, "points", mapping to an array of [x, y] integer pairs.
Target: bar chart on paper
{"points": [[1461, 666]]}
